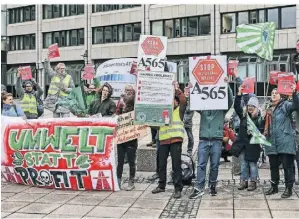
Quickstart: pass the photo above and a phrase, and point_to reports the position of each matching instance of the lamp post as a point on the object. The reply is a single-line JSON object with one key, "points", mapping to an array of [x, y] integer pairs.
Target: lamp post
{"points": [[85, 57]]}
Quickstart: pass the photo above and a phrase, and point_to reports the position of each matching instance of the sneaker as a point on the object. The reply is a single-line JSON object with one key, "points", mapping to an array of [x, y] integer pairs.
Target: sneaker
{"points": [[287, 193], [252, 186], [196, 193], [177, 194], [243, 185], [213, 191], [158, 190], [130, 186], [150, 144], [154, 177]]}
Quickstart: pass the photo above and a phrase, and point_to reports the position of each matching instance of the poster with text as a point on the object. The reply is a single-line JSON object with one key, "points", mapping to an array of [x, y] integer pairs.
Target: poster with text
{"points": [[154, 98], [25, 72], [64, 153], [209, 91], [285, 82], [53, 51], [152, 53]]}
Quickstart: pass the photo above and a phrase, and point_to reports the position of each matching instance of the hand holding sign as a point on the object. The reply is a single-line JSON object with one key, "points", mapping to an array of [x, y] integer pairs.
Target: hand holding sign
{"points": [[53, 51]]}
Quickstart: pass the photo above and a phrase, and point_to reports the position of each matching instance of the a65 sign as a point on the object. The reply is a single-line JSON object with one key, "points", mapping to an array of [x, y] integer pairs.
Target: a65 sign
{"points": [[210, 92]]}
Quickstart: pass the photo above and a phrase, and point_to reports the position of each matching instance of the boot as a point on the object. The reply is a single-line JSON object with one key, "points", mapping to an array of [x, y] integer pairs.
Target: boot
{"points": [[272, 190], [243, 185], [131, 185], [252, 186], [119, 183], [288, 192]]}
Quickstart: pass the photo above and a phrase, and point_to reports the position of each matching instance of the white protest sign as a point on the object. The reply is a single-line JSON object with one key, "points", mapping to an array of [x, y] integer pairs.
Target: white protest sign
{"points": [[209, 91], [152, 53]]}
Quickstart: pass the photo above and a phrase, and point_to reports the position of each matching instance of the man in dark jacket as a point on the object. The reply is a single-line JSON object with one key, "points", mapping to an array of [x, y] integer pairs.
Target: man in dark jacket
{"points": [[104, 105], [188, 123]]}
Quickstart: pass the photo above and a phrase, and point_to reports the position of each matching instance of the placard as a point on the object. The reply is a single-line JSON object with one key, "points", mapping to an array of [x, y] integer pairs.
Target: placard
{"points": [[53, 51], [152, 53], [297, 47], [273, 77], [25, 72], [248, 85], [154, 98], [88, 72], [233, 67], [285, 82], [209, 91]]}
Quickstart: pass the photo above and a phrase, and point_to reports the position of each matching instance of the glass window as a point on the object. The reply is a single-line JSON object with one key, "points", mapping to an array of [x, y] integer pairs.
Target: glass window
{"points": [[157, 28], [108, 34], [81, 37], [56, 11], [74, 38], [184, 27], [80, 9], [98, 35], [99, 8], [177, 28], [128, 32], [262, 16], [114, 34], [32, 13], [288, 17], [26, 42], [73, 10], [62, 37], [67, 11], [12, 43], [56, 38], [47, 11], [204, 25], [11, 16], [68, 38], [17, 43], [252, 17], [273, 16], [27, 14], [193, 26], [168, 28], [242, 70], [32, 41], [17, 15], [47, 39], [120, 33], [251, 70], [136, 31], [21, 14], [228, 23], [243, 18], [21, 42]]}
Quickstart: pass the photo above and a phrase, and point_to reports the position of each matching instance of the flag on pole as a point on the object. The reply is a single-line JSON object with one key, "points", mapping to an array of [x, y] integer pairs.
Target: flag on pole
{"points": [[257, 38], [257, 137]]}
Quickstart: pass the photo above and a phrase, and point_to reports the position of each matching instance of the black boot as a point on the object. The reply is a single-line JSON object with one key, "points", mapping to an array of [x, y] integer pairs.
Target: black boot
{"points": [[272, 190], [288, 192]]}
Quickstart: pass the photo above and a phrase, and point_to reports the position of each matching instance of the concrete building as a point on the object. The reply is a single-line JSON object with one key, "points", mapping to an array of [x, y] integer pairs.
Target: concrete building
{"points": [[96, 33]]}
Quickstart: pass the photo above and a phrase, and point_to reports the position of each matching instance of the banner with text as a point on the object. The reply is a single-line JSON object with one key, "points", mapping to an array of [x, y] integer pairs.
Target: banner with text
{"points": [[207, 74], [154, 98], [68, 153]]}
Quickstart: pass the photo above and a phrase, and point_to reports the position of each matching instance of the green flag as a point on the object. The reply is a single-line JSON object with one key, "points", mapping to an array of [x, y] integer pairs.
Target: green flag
{"points": [[257, 137], [257, 38]]}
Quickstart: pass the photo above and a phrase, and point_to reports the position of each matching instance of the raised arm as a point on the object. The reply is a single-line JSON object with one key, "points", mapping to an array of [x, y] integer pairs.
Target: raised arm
{"points": [[237, 105], [294, 105], [48, 68], [20, 91], [39, 90]]}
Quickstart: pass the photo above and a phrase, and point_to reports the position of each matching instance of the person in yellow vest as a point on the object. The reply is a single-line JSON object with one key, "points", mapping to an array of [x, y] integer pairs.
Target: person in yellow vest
{"points": [[171, 140], [28, 96], [60, 86]]}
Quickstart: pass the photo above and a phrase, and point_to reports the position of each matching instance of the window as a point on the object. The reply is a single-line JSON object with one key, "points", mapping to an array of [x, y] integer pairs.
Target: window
{"points": [[63, 39], [56, 38], [243, 18], [80, 9], [273, 16], [184, 27], [136, 31], [32, 41], [204, 25], [12, 43], [27, 42], [81, 36], [262, 17], [22, 42], [228, 22], [12, 14], [252, 17], [32, 13], [74, 38], [121, 33], [47, 40], [47, 11], [101, 8], [288, 17], [98, 35], [193, 26], [73, 10], [114, 34], [56, 11], [108, 34], [157, 28], [128, 32], [168, 30], [27, 15], [177, 28]]}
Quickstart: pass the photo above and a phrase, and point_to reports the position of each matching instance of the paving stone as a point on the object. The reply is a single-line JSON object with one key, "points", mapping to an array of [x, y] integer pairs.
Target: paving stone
{"points": [[105, 211], [216, 204], [84, 200], [62, 216], [124, 193], [285, 214], [252, 213], [7, 206], [22, 215], [103, 194], [39, 190], [249, 195], [4, 214], [15, 188], [39, 208], [25, 197], [66, 192], [142, 213], [118, 202], [284, 204], [5, 195], [250, 204], [72, 210], [141, 186], [150, 203], [56, 198], [149, 195]]}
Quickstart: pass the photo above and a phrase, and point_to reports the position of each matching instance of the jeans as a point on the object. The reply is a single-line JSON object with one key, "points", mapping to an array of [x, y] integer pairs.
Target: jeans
{"points": [[208, 149], [190, 139], [128, 148], [157, 153], [297, 161], [61, 115], [249, 170], [175, 150], [287, 161]]}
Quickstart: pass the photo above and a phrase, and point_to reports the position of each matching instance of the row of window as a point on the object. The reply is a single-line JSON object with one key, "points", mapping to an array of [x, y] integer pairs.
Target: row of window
{"points": [[56, 11], [22, 42], [116, 33], [101, 8], [182, 27], [64, 38], [284, 17], [21, 14]]}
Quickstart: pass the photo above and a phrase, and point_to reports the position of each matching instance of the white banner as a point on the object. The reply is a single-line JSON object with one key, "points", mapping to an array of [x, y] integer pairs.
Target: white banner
{"points": [[209, 91]]}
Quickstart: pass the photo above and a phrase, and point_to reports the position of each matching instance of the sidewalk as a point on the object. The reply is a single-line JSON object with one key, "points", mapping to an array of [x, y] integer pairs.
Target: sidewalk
{"points": [[19, 201]]}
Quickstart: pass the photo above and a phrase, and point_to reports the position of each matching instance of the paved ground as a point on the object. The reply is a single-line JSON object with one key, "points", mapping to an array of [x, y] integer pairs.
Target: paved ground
{"points": [[20, 201]]}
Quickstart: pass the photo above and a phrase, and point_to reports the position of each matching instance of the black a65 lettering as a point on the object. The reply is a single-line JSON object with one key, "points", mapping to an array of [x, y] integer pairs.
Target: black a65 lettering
{"points": [[152, 62], [209, 92]]}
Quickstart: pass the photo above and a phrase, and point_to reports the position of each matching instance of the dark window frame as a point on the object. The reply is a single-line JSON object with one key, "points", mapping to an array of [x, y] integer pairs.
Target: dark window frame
{"points": [[66, 11], [17, 42], [67, 34], [105, 8], [19, 13]]}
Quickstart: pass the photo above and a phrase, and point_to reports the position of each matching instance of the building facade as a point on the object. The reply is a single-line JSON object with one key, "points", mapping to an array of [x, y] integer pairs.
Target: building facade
{"points": [[96, 33]]}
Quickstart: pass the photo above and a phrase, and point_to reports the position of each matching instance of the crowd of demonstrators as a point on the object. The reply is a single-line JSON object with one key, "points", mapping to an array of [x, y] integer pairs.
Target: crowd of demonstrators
{"points": [[8, 108], [29, 98], [60, 86]]}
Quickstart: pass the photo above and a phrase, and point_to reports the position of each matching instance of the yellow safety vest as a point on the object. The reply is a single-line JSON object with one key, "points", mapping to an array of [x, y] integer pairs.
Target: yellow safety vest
{"points": [[29, 104], [54, 86], [176, 130]]}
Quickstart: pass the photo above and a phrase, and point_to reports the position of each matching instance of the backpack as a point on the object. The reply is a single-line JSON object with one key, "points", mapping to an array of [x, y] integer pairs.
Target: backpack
{"points": [[188, 172], [40, 106]]}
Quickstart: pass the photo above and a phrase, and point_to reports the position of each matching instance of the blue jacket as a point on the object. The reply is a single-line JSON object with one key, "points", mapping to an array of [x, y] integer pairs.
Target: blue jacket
{"points": [[9, 110]]}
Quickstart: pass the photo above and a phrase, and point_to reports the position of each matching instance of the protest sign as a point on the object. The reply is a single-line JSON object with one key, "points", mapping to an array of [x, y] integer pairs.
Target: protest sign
{"points": [[248, 85], [88, 72], [152, 53], [273, 77], [285, 82], [297, 87], [154, 98], [232, 67], [25, 72], [297, 47], [126, 130], [65, 153], [53, 51], [207, 74]]}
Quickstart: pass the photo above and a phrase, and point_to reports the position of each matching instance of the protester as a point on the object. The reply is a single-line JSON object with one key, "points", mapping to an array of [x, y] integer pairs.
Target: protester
{"points": [[229, 136], [209, 148], [129, 90], [128, 148], [29, 97], [103, 105], [249, 153], [60, 86], [171, 139], [188, 122], [91, 92], [3, 88], [296, 127], [279, 131], [8, 108]]}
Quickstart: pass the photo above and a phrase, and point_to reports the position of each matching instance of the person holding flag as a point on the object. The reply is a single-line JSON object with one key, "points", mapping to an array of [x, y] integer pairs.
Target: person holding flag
{"points": [[279, 131]]}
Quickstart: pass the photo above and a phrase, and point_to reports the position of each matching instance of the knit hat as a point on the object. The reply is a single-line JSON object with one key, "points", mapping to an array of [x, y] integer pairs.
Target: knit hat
{"points": [[28, 82], [253, 101]]}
